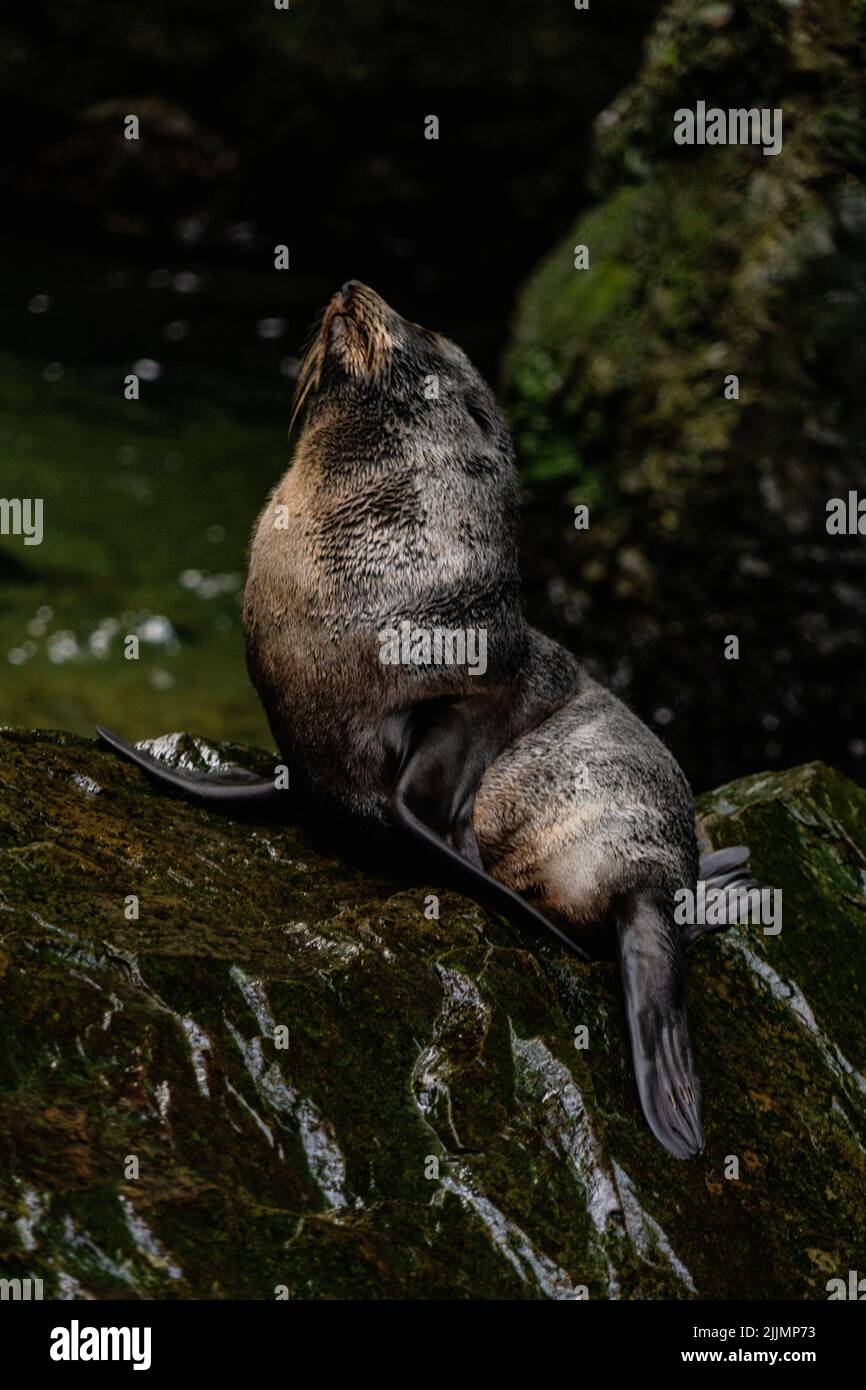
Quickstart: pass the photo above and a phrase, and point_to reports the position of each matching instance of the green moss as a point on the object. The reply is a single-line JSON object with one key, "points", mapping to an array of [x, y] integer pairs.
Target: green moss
{"points": [[411, 1043], [708, 263], [136, 479]]}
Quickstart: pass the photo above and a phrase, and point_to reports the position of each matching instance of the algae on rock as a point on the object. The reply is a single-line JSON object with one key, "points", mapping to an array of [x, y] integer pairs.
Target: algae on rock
{"points": [[708, 514], [431, 1130]]}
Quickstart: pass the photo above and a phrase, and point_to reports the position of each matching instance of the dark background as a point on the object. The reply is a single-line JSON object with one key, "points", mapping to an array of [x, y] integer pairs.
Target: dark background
{"points": [[303, 127]]}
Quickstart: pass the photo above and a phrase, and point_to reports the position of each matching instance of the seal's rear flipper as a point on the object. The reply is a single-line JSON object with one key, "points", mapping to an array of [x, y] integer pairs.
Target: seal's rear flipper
{"points": [[724, 870], [664, 1064], [444, 747], [238, 790], [723, 861]]}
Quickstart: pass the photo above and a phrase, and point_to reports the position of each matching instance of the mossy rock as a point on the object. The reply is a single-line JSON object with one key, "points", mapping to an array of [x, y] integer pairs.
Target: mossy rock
{"points": [[430, 1130], [708, 515]]}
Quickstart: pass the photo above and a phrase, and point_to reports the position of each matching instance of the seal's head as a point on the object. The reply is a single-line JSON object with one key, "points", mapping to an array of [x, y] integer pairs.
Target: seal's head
{"points": [[368, 364]]}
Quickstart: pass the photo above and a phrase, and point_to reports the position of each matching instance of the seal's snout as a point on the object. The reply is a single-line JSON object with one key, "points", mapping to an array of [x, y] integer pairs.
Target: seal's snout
{"points": [[356, 332], [357, 343], [359, 303]]}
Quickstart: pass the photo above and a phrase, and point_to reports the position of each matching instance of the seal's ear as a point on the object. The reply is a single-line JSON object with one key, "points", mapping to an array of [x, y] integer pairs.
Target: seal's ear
{"points": [[445, 747]]}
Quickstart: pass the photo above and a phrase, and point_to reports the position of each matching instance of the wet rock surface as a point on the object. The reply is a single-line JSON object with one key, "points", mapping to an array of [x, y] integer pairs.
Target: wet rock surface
{"points": [[430, 1130]]}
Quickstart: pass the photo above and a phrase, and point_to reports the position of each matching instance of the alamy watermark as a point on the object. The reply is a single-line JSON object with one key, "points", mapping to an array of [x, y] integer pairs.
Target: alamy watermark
{"points": [[846, 516], [434, 646], [736, 126], [17, 1290], [77, 1343], [854, 1288], [715, 907], [22, 516]]}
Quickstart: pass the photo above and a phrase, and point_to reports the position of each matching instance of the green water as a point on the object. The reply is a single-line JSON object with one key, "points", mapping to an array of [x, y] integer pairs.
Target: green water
{"points": [[147, 519]]}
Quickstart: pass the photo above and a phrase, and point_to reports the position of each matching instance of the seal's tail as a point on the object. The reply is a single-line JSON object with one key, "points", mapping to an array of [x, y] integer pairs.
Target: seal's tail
{"points": [[234, 791], [725, 870], [664, 1064]]}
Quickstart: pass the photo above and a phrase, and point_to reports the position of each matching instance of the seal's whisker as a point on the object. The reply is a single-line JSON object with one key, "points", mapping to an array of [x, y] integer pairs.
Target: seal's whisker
{"points": [[311, 367]]}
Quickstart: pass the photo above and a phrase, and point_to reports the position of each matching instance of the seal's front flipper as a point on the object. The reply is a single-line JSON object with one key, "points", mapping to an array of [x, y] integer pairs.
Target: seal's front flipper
{"points": [[664, 1063], [726, 871], [476, 882], [445, 747], [238, 790]]}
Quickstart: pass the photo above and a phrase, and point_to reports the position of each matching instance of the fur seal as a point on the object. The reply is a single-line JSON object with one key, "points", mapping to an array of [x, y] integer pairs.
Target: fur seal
{"points": [[545, 796]]}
